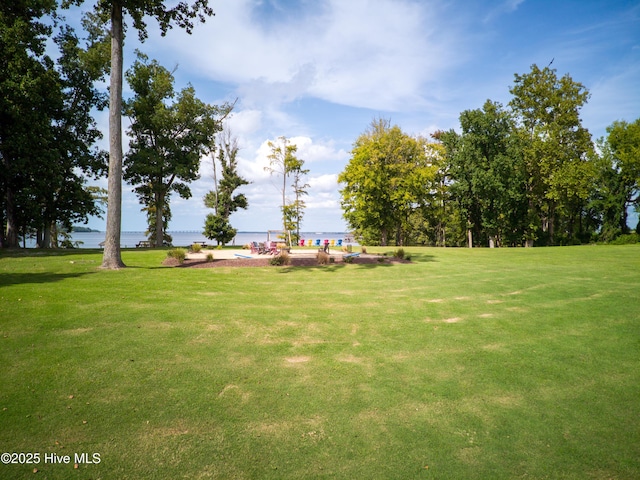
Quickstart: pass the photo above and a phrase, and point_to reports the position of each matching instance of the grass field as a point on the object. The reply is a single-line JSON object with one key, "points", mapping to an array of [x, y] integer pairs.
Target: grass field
{"points": [[465, 364]]}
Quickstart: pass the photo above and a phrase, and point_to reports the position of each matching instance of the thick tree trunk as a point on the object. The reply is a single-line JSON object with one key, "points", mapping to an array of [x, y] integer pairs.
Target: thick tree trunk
{"points": [[159, 199], [112, 258]]}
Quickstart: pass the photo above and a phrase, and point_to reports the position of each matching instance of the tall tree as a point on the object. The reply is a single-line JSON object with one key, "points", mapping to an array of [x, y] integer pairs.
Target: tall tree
{"points": [[47, 132], [385, 181], [27, 82], [298, 205], [283, 162], [181, 14], [167, 139], [488, 175], [556, 147], [222, 199], [619, 177]]}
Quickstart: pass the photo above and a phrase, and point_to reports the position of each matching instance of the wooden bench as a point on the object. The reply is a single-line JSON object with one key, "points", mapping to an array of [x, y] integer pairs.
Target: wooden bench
{"points": [[202, 244]]}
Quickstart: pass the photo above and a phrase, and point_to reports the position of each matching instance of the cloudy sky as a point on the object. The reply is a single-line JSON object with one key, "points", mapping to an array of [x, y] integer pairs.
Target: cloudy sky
{"points": [[318, 72]]}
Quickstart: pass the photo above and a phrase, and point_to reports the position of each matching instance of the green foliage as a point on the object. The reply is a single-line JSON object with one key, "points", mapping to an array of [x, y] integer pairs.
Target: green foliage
{"points": [[178, 253], [222, 198], [47, 132], [219, 229], [196, 248], [181, 14], [488, 175], [618, 180], [627, 239], [399, 253], [168, 139], [385, 181], [556, 147], [210, 257], [283, 162]]}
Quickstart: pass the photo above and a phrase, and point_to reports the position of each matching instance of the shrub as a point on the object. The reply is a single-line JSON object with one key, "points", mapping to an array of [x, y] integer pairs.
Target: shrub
{"points": [[177, 253], [399, 253], [626, 239], [281, 259], [363, 249], [209, 257], [196, 248], [323, 258]]}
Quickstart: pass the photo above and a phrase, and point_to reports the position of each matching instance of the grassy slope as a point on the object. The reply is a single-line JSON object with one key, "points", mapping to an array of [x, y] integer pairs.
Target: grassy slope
{"points": [[466, 364]]}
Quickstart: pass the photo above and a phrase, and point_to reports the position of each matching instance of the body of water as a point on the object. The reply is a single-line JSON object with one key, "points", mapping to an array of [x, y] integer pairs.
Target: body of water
{"points": [[184, 239]]}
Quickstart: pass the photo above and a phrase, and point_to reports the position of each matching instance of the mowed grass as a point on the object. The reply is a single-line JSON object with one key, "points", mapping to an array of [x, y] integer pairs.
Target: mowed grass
{"points": [[465, 364]]}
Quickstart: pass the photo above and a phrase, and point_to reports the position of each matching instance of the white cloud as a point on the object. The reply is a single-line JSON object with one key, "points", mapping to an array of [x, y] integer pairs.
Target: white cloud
{"points": [[354, 53], [324, 183]]}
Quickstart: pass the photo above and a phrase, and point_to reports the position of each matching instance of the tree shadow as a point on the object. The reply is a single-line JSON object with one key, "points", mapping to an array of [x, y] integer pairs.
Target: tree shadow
{"points": [[46, 252], [8, 279]]}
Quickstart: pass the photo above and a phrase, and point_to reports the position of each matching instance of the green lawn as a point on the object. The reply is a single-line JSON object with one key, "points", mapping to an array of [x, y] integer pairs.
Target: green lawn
{"points": [[465, 364]]}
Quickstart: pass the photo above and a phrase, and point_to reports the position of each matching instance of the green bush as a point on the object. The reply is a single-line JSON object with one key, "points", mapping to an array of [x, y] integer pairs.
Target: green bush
{"points": [[209, 257], [177, 253], [196, 248], [399, 253], [626, 239]]}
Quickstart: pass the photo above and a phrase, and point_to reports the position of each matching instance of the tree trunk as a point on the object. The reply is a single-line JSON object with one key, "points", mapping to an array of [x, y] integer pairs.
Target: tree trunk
{"points": [[11, 237], [112, 258], [383, 237], [159, 199], [46, 236], [470, 237]]}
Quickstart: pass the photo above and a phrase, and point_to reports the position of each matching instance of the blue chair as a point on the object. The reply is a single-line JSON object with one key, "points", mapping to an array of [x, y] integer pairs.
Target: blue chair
{"points": [[339, 242], [317, 244]]}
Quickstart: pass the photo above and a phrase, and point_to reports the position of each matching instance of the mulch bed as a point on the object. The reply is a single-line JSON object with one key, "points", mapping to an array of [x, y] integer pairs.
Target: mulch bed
{"points": [[264, 262]]}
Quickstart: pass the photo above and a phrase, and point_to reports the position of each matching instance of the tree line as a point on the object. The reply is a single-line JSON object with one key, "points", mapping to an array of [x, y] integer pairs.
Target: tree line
{"points": [[525, 174]]}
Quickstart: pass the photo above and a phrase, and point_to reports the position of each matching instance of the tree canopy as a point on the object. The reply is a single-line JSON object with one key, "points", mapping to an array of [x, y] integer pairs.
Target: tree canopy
{"points": [[47, 132], [385, 181]]}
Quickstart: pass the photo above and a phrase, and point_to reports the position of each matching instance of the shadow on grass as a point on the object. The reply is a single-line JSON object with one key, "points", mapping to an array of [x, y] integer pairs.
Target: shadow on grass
{"points": [[47, 252], [359, 264], [7, 279]]}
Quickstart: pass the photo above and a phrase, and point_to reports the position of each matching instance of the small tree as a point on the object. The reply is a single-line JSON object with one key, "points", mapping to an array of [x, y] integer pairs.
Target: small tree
{"points": [[222, 198], [283, 162]]}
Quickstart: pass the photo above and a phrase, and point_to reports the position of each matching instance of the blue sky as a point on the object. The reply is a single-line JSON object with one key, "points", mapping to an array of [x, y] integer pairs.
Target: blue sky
{"points": [[318, 72]]}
